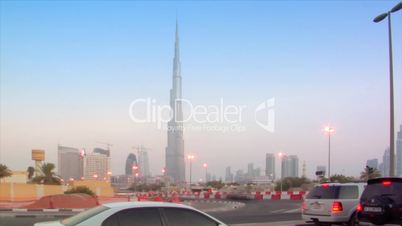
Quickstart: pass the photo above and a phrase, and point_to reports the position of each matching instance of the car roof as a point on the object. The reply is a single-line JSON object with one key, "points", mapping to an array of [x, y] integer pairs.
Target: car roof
{"points": [[381, 179], [144, 204], [342, 184]]}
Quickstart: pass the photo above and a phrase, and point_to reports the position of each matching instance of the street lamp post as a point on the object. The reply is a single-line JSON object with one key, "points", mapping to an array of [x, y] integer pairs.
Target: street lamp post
{"points": [[190, 158], [280, 155], [329, 130], [391, 84], [206, 172]]}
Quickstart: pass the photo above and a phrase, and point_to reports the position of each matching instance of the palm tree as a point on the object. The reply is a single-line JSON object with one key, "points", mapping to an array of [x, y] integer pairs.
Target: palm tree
{"points": [[47, 176], [4, 171], [369, 173], [31, 172]]}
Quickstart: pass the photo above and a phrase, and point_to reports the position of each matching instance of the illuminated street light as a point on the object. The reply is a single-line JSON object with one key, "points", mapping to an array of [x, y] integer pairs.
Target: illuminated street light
{"points": [[329, 130], [378, 19], [190, 158], [95, 176], [280, 155]]}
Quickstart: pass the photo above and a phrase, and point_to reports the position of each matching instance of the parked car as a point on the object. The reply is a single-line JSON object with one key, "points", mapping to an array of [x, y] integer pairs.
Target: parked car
{"points": [[138, 214], [381, 202], [332, 203]]}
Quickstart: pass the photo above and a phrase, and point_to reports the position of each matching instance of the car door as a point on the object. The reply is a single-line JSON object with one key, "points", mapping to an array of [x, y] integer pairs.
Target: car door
{"points": [[186, 217], [135, 217]]}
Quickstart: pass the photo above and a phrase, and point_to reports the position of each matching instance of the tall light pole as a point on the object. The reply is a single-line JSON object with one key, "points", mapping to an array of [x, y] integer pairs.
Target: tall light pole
{"points": [[329, 130], [280, 155], [391, 88], [190, 158], [206, 172]]}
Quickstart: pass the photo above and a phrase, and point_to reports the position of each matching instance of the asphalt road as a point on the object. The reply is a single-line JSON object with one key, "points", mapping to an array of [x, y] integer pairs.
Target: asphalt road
{"points": [[261, 211], [252, 212]]}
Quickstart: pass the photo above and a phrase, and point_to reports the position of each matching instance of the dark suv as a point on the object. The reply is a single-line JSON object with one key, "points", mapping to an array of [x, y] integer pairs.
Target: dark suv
{"points": [[381, 202]]}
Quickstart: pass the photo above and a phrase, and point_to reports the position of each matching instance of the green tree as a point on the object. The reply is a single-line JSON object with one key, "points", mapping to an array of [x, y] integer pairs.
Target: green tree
{"points": [[369, 173], [339, 178], [217, 184], [291, 182], [142, 187], [80, 190], [4, 171], [47, 176]]}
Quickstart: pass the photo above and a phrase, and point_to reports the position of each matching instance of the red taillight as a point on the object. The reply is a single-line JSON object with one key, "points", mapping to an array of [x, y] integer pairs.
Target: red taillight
{"points": [[325, 185], [359, 207], [386, 183], [337, 207]]}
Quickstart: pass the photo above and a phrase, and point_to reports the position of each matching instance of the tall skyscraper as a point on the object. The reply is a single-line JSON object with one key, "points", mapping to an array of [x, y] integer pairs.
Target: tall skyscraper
{"points": [[399, 153], [175, 166], [290, 166], [385, 163], [143, 163], [228, 175], [250, 170], [69, 163], [130, 162], [373, 163], [96, 166], [270, 166]]}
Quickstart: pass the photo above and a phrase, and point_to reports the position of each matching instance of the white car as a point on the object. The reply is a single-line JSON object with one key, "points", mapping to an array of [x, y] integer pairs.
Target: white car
{"points": [[138, 214], [332, 203]]}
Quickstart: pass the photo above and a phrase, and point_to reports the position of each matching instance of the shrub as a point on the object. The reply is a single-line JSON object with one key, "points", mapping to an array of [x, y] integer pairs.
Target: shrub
{"points": [[80, 189]]}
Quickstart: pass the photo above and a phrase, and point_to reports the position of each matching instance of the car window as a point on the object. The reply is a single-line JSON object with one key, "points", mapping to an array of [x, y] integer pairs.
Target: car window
{"points": [[111, 221], [135, 217], [324, 192], [334, 192], [348, 192], [76, 219], [183, 217], [393, 191]]}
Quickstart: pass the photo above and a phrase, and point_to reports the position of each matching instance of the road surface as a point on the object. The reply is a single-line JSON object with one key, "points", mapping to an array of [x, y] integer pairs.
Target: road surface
{"points": [[252, 212]]}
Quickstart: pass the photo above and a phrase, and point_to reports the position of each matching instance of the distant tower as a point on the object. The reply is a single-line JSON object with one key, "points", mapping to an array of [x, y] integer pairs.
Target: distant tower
{"points": [[130, 162], [175, 166], [38, 156], [143, 161], [270, 166], [399, 153], [304, 170]]}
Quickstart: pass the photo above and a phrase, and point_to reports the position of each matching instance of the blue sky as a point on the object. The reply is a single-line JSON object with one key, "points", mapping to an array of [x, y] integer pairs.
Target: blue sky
{"points": [[69, 70]]}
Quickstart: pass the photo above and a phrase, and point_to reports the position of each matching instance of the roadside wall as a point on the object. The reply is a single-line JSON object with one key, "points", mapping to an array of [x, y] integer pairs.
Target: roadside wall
{"points": [[20, 192]]}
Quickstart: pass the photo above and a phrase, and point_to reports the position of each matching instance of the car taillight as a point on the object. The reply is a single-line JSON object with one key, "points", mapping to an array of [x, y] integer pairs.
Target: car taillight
{"points": [[386, 183], [325, 185], [359, 207], [337, 207]]}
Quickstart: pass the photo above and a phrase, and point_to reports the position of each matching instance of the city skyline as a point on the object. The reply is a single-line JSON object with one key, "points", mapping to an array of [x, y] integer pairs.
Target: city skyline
{"points": [[73, 79]]}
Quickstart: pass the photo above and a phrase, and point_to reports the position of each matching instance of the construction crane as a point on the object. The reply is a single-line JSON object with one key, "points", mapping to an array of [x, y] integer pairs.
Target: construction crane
{"points": [[108, 145]]}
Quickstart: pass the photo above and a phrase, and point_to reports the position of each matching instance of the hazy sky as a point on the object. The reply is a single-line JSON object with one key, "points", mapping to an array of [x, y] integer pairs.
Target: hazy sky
{"points": [[70, 69]]}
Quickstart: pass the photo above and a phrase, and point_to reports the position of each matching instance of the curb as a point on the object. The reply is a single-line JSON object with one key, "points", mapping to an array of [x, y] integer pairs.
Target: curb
{"points": [[41, 210]]}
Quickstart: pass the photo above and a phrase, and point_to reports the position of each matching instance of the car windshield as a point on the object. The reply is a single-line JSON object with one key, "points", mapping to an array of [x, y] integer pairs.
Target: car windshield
{"points": [[71, 221], [334, 192]]}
